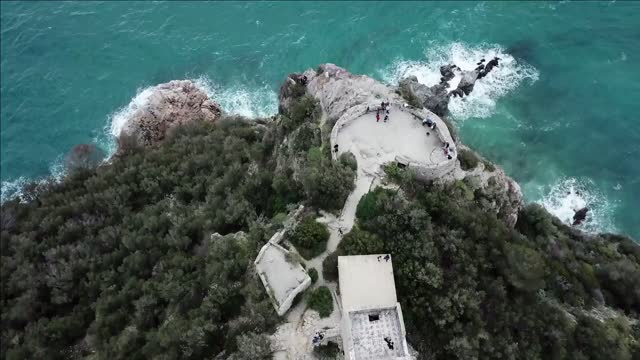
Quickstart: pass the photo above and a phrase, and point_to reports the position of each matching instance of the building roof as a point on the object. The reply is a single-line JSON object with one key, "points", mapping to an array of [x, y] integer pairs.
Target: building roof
{"points": [[282, 278], [366, 281]]}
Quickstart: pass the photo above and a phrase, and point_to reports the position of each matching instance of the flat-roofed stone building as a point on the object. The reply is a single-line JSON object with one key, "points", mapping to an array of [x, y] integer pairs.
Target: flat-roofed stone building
{"points": [[372, 324]]}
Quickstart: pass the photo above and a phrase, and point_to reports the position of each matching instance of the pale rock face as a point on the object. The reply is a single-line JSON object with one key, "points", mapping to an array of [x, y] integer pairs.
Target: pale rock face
{"points": [[170, 104], [338, 90]]}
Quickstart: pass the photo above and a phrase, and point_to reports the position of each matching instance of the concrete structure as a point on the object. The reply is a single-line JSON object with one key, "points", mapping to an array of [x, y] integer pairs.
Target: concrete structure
{"points": [[281, 273], [402, 139], [372, 324]]}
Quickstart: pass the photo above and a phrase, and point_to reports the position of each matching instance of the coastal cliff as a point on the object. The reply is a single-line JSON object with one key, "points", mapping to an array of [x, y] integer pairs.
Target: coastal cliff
{"points": [[339, 91], [150, 255], [166, 106]]}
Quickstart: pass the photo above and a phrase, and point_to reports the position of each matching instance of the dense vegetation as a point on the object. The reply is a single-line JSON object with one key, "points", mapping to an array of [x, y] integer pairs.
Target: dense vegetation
{"points": [[309, 237], [126, 261], [471, 287], [320, 300]]}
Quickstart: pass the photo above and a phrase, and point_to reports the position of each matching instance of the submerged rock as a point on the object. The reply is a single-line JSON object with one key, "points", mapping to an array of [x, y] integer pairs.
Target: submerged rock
{"points": [[83, 156], [468, 81], [169, 105], [579, 216]]}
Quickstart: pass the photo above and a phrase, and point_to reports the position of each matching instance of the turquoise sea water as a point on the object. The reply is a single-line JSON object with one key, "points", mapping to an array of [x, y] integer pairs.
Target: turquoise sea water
{"points": [[560, 115]]}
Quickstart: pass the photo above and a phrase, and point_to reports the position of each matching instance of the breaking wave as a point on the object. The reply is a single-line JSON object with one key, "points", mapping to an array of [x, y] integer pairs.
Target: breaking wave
{"points": [[567, 195], [250, 102], [238, 100], [12, 189], [482, 101]]}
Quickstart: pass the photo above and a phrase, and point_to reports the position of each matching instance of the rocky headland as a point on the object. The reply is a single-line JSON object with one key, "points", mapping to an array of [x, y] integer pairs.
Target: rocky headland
{"points": [[340, 92], [167, 106]]}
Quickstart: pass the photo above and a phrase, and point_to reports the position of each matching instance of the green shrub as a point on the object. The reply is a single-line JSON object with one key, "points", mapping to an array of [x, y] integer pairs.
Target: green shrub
{"points": [[305, 138], [314, 156], [468, 160], [328, 184], [360, 242], [304, 109], [309, 237], [368, 205], [313, 274], [393, 171], [330, 267], [488, 165], [321, 301], [349, 160], [326, 352]]}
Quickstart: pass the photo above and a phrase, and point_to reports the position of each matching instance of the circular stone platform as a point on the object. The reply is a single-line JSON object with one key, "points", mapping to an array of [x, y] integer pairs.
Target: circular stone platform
{"points": [[401, 137]]}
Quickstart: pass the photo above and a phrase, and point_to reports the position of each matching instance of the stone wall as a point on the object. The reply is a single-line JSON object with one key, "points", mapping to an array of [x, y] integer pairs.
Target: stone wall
{"points": [[423, 171]]}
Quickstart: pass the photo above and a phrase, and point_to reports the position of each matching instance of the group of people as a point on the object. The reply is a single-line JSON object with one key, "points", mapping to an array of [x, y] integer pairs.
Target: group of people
{"points": [[386, 258], [448, 150], [317, 338], [384, 108], [446, 147]]}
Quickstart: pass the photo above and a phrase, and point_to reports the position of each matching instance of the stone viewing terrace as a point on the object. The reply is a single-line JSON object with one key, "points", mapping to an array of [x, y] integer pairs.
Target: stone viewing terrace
{"points": [[401, 139]]}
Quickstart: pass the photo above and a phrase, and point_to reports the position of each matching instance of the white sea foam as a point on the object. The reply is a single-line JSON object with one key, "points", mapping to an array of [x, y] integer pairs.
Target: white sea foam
{"points": [[12, 189], [567, 195], [240, 99], [482, 101]]}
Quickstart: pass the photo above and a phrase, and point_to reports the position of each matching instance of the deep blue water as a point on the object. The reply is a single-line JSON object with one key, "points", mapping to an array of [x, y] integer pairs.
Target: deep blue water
{"points": [[561, 114]]}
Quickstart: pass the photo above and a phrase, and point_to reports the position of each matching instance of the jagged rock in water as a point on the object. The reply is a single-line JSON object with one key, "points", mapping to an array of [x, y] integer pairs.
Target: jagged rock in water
{"points": [[579, 216], [434, 98], [468, 81], [83, 156], [447, 72], [169, 105], [490, 65]]}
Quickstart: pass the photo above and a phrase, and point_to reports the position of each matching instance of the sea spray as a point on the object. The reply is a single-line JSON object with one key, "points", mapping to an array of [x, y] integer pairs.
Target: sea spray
{"points": [[241, 100], [481, 102], [250, 102], [12, 189], [237, 100], [568, 195]]}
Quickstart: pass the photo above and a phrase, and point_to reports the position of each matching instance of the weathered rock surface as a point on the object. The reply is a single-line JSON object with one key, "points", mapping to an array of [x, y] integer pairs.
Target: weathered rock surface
{"points": [[83, 156], [434, 98], [293, 87], [169, 105], [339, 90], [579, 216], [492, 189], [468, 81]]}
